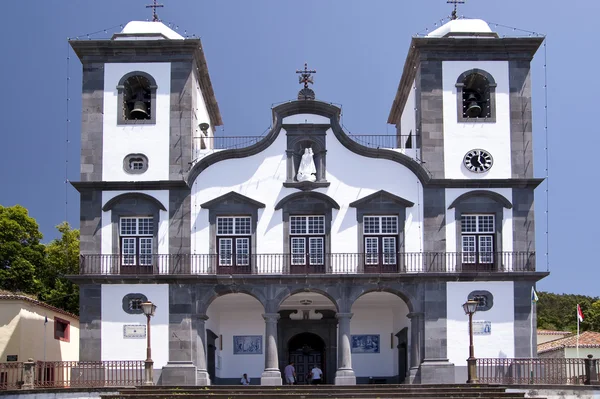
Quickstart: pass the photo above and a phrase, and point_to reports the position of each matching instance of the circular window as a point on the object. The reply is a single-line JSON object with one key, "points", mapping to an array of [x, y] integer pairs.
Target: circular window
{"points": [[132, 303], [485, 300], [135, 164]]}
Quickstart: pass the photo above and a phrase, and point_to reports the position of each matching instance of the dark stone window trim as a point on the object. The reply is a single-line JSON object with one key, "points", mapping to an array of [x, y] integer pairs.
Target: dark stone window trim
{"points": [[489, 300], [479, 203], [307, 204], [232, 204], [127, 300], [141, 196], [459, 97], [482, 193], [127, 161], [381, 203], [120, 89]]}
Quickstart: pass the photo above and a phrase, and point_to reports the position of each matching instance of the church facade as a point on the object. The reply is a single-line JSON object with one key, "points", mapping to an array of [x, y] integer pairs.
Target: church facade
{"points": [[309, 244]]}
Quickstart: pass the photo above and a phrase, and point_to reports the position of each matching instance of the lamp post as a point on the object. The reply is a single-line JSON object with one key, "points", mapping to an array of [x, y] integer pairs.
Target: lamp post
{"points": [[148, 308], [470, 307]]}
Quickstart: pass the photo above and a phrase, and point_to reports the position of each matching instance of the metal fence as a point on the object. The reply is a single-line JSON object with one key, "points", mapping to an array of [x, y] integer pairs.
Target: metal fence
{"points": [[540, 371], [70, 374], [302, 264]]}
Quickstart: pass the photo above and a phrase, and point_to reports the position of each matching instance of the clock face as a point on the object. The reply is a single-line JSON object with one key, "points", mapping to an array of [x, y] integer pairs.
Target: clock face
{"points": [[478, 161]]}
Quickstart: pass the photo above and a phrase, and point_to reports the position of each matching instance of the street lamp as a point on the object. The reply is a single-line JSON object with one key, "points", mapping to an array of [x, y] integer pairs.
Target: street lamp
{"points": [[148, 308], [470, 307]]}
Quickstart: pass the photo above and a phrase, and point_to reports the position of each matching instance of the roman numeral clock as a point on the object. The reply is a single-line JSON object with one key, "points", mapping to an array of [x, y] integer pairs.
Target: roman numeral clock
{"points": [[478, 161]]}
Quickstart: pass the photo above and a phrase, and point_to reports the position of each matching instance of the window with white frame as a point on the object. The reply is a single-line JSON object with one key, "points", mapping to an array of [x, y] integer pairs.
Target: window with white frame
{"points": [[478, 238], [233, 240], [136, 234], [381, 239], [307, 240]]}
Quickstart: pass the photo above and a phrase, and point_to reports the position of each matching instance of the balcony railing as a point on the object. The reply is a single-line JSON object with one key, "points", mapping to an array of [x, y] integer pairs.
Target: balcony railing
{"points": [[287, 264], [571, 371]]}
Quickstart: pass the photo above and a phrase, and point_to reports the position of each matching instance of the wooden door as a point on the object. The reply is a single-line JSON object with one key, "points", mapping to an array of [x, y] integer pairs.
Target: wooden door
{"points": [[304, 362]]}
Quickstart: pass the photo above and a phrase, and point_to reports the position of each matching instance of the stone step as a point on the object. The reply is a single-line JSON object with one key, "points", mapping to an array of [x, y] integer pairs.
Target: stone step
{"points": [[312, 395]]}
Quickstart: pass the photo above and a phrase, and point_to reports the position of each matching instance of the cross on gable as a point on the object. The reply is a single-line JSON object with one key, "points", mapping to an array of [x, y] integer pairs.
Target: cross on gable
{"points": [[455, 2], [154, 6], [306, 75]]}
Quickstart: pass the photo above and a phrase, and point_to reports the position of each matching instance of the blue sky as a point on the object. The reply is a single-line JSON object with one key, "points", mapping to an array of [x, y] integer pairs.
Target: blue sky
{"points": [[253, 49]]}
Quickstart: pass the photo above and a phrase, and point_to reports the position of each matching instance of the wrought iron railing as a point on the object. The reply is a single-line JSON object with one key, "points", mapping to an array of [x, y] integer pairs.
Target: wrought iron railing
{"points": [[333, 263], [538, 371], [69, 374], [368, 140], [11, 375]]}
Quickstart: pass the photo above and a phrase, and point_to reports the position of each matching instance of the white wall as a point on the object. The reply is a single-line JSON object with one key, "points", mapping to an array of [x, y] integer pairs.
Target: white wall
{"points": [[388, 318], [260, 177], [408, 118], [451, 235], [163, 224], [237, 314], [150, 140], [459, 138], [583, 352], [114, 346], [501, 315]]}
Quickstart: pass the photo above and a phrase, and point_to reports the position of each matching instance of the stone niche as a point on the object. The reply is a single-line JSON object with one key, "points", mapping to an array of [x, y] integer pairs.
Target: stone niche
{"points": [[299, 138]]}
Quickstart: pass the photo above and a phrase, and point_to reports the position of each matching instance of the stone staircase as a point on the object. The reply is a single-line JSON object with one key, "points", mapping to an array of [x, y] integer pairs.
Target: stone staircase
{"points": [[319, 392]]}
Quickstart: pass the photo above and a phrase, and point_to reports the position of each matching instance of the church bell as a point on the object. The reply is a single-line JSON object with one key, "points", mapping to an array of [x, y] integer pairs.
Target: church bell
{"points": [[473, 109], [140, 109]]}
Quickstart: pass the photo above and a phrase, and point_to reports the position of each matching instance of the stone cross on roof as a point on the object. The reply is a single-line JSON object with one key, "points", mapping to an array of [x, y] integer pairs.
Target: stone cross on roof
{"points": [[306, 77], [154, 6], [455, 2]]}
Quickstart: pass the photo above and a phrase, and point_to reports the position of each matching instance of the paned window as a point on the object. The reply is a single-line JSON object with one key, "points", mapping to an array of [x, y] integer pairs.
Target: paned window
{"points": [[136, 235], [307, 240], [233, 240], [62, 329], [381, 240], [477, 237]]}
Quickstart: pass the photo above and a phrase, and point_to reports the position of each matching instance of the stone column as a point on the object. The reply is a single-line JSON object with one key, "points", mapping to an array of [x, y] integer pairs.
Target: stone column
{"points": [[416, 344], [272, 374], [202, 377], [344, 374]]}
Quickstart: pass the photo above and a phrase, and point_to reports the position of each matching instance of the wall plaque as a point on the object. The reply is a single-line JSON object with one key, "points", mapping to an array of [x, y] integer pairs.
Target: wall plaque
{"points": [[134, 331], [482, 328], [12, 358]]}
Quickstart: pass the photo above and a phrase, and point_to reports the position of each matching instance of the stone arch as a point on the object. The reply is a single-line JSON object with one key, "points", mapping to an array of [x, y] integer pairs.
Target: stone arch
{"points": [[312, 195], [476, 86], [482, 193], [145, 84], [287, 293], [133, 196], [204, 301], [408, 298]]}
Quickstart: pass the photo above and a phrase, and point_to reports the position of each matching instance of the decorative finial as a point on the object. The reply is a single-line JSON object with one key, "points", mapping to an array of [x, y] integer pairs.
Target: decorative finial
{"points": [[305, 77], [455, 2], [154, 6]]}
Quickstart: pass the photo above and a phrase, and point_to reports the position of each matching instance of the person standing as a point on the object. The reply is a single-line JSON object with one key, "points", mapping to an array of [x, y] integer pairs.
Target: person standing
{"points": [[290, 374], [316, 374]]}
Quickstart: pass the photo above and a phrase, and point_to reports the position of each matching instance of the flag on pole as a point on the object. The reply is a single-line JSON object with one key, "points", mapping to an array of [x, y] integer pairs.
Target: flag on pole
{"points": [[579, 313], [45, 320], [534, 297]]}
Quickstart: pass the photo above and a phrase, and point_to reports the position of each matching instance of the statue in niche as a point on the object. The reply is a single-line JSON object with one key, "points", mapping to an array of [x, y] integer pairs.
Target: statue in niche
{"points": [[307, 170]]}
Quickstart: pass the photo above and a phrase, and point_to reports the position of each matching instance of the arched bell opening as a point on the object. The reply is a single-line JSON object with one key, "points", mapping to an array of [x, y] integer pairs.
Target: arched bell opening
{"points": [[476, 92]]}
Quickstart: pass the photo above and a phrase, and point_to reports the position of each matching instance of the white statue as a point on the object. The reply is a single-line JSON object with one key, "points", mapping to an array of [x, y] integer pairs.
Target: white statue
{"points": [[307, 170]]}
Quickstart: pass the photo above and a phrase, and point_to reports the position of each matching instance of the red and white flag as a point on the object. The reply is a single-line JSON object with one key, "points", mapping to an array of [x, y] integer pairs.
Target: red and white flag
{"points": [[579, 313]]}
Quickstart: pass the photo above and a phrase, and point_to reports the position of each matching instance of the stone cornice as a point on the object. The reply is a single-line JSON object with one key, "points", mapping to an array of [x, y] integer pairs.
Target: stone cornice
{"points": [[82, 186]]}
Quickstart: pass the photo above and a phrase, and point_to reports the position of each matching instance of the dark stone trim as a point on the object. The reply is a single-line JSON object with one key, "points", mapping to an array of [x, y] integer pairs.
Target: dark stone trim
{"points": [[134, 205], [485, 183], [234, 280], [128, 298], [112, 202], [299, 137], [104, 51], [306, 185], [482, 193], [231, 196], [130, 171], [459, 97], [120, 87], [382, 194], [489, 301], [82, 186], [458, 49], [479, 205], [306, 195]]}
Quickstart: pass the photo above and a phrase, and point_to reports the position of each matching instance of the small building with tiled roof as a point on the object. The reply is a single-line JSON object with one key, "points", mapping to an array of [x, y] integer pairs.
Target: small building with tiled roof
{"points": [[589, 344], [544, 336], [33, 329]]}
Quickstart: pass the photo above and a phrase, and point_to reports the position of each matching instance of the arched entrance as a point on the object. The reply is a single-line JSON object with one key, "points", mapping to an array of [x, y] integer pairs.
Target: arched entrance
{"points": [[306, 350]]}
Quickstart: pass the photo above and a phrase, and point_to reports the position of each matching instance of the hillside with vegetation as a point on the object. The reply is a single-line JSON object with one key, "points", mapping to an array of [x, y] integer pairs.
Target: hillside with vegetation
{"points": [[559, 312]]}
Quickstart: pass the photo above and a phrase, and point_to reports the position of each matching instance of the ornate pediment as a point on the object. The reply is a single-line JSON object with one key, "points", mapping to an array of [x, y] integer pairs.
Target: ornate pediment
{"points": [[382, 197], [232, 198]]}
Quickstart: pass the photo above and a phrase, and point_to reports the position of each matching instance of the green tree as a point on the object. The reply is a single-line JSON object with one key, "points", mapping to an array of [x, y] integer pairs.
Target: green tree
{"points": [[62, 259], [559, 312], [21, 254]]}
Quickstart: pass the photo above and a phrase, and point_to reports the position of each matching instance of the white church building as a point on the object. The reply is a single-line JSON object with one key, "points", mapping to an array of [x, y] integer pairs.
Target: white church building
{"points": [[308, 244]]}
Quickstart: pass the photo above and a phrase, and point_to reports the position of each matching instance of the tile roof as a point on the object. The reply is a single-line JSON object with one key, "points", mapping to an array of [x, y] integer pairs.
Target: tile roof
{"points": [[552, 332], [587, 339], [5, 295]]}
